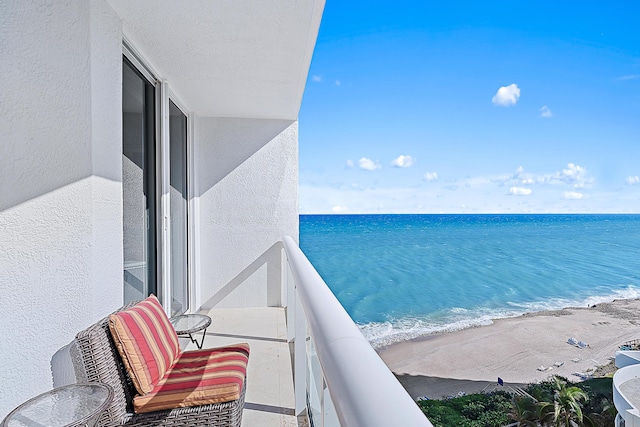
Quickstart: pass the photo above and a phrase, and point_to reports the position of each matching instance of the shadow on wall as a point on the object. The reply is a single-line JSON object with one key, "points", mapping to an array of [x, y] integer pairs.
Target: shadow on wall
{"points": [[223, 144], [273, 258], [62, 366], [63, 369]]}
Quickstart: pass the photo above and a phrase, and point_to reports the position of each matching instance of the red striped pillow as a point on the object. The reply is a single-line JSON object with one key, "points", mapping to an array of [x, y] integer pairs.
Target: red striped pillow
{"points": [[146, 341]]}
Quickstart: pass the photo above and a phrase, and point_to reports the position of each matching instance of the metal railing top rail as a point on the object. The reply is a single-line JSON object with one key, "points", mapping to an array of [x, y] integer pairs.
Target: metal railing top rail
{"points": [[363, 389]]}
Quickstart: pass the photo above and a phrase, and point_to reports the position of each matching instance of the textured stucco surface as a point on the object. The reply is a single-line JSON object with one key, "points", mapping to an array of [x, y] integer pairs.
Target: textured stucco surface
{"points": [[247, 177], [45, 70], [60, 195], [61, 203], [250, 57]]}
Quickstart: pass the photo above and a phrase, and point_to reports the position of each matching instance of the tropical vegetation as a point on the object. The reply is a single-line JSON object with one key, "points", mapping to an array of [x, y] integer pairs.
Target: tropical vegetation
{"points": [[474, 410], [553, 403]]}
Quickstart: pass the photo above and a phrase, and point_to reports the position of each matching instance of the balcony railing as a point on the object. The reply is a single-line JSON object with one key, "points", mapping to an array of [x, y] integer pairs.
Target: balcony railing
{"points": [[622, 400], [339, 378]]}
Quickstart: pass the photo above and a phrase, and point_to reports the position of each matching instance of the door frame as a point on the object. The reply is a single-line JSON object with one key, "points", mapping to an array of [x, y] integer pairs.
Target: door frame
{"points": [[164, 94]]}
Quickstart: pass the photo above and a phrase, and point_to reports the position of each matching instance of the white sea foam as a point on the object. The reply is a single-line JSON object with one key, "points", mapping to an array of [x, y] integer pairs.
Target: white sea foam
{"points": [[630, 292], [381, 334]]}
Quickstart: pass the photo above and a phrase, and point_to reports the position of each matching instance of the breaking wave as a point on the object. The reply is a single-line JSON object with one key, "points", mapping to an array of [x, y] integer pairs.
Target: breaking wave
{"points": [[382, 334]]}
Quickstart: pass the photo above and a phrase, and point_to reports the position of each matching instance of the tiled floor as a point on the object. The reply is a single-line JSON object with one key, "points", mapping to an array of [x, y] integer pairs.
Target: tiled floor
{"points": [[270, 397]]}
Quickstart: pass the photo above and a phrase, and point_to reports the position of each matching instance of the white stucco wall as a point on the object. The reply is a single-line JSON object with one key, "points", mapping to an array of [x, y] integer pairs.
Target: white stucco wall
{"points": [[247, 197], [60, 190], [240, 58], [61, 203]]}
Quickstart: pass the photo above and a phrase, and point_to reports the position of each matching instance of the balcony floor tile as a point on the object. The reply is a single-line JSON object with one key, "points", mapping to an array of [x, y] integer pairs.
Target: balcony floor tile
{"points": [[270, 398]]}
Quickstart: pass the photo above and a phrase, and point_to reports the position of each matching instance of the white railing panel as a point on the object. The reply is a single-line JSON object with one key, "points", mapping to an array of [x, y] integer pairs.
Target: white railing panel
{"points": [[315, 384], [290, 304], [300, 363], [329, 416], [364, 392]]}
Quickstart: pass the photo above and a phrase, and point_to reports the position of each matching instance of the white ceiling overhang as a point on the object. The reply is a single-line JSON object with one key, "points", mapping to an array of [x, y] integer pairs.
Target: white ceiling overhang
{"points": [[227, 58]]}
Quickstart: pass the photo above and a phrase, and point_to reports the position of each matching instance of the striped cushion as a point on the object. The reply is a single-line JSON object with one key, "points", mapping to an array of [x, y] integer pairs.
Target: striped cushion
{"points": [[199, 377], [146, 341]]}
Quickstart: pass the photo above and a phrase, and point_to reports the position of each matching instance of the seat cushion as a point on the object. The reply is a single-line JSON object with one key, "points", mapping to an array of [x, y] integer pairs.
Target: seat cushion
{"points": [[146, 341], [199, 377]]}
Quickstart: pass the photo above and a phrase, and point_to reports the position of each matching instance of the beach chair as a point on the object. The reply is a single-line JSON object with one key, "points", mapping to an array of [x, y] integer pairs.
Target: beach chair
{"points": [[572, 341], [214, 397]]}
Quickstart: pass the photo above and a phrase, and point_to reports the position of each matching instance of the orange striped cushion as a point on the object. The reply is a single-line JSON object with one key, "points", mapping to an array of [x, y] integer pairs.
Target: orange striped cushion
{"points": [[146, 341], [199, 377]]}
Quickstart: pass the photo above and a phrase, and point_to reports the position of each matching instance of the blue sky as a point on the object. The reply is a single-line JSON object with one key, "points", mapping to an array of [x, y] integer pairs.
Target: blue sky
{"points": [[464, 107]]}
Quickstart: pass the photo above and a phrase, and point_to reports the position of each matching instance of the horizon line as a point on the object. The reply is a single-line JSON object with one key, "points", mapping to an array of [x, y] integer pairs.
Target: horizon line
{"points": [[478, 213]]}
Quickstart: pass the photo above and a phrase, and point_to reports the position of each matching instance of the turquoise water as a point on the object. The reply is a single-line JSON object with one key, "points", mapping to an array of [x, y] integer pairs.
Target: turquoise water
{"points": [[404, 276]]}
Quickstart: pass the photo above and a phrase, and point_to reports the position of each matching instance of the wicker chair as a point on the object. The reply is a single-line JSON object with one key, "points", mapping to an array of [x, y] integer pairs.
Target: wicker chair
{"points": [[96, 359]]}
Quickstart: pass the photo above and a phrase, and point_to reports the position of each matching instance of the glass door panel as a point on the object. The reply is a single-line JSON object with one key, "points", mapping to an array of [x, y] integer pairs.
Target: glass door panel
{"points": [[178, 201], [138, 184]]}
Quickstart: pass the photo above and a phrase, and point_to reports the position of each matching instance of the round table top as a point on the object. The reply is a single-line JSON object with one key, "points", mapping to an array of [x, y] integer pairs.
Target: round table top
{"points": [[70, 405], [188, 323]]}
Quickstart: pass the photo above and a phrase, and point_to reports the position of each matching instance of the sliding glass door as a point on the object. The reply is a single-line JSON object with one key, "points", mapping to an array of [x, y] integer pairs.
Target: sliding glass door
{"points": [[138, 184], [178, 201], [155, 192]]}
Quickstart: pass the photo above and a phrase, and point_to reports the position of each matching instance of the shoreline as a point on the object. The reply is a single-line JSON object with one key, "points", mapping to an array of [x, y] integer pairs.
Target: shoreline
{"points": [[520, 350], [442, 388], [384, 339]]}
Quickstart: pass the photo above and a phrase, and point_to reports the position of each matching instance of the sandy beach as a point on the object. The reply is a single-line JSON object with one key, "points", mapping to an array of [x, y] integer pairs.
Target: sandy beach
{"points": [[515, 349]]}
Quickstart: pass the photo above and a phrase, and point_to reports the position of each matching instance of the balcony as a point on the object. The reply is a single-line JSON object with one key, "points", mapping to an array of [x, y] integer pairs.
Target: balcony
{"points": [[341, 381], [626, 386], [626, 396], [270, 394]]}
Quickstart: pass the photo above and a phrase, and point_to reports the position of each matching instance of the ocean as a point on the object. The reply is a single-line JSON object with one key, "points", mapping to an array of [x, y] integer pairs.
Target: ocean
{"points": [[404, 276]]}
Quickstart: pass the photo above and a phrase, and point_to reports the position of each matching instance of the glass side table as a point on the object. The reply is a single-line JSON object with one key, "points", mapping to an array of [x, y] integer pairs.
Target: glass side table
{"points": [[74, 405], [187, 324]]}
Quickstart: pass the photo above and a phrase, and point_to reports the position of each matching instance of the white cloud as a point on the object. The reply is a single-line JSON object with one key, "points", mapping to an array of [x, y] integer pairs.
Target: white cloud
{"points": [[573, 171], [518, 177], [629, 77], [430, 176], [338, 83], [478, 194], [519, 191], [632, 180], [573, 195], [506, 95], [349, 163], [316, 78], [545, 112], [403, 161], [368, 164], [574, 174]]}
